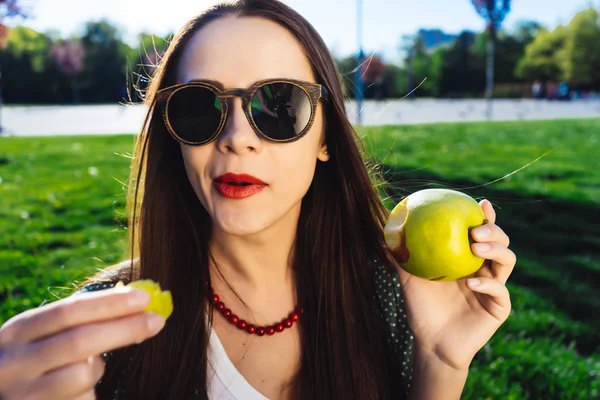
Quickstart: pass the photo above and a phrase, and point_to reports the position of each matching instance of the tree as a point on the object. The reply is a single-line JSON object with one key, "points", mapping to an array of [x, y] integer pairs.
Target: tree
{"points": [[103, 78], [424, 70], [462, 69], [68, 56], [509, 50], [394, 82], [347, 67], [27, 56], [540, 61], [579, 57], [29, 46], [372, 73], [526, 31]]}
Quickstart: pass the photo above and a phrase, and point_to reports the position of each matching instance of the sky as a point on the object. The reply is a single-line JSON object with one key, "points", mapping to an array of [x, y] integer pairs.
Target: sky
{"points": [[384, 21]]}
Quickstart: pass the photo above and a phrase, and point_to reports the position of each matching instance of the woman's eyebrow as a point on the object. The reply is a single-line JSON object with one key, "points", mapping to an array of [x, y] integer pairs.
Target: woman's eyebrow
{"points": [[211, 81]]}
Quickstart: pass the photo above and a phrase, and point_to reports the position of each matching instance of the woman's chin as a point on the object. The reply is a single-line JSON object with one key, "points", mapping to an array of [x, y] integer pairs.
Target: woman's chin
{"points": [[240, 226]]}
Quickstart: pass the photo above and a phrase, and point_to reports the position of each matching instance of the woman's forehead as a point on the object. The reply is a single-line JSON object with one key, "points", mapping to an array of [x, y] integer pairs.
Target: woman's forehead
{"points": [[239, 51]]}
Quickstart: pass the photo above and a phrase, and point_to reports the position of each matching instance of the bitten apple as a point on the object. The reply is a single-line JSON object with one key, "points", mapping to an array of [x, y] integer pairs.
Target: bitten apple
{"points": [[429, 234]]}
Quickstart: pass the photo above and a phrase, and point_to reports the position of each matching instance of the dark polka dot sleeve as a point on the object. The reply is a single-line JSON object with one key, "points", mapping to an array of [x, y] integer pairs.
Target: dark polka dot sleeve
{"points": [[391, 313], [92, 287]]}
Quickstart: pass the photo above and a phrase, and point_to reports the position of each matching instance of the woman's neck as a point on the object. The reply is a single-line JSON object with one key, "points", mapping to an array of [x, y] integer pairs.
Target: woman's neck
{"points": [[257, 263]]}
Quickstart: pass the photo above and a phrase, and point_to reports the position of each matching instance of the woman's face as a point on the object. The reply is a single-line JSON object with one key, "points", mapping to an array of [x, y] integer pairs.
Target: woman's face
{"points": [[238, 51]]}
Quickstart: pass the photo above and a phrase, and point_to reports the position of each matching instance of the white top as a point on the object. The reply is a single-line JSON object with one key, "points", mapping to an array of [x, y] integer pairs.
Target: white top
{"points": [[224, 380]]}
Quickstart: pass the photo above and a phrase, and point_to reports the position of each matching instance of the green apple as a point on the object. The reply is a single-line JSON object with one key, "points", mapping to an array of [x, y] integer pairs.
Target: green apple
{"points": [[429, 234]]}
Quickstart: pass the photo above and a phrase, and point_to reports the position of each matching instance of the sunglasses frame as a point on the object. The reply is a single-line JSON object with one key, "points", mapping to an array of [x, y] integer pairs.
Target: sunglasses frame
{"points": [[313, 91]]}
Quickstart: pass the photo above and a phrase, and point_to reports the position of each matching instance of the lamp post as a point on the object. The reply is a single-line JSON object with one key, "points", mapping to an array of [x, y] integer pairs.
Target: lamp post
{"points": [[361, 56], [493, 12]]}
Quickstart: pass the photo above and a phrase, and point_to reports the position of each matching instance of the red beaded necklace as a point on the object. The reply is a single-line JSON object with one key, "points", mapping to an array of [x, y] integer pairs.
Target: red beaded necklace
{"points": [[252, 329]]}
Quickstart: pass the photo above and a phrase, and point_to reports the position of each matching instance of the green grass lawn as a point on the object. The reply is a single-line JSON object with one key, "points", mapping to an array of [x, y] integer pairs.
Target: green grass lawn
{"points": [[62, 203]]}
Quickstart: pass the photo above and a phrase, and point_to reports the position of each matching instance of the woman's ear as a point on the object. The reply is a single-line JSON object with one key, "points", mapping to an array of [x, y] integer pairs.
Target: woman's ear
{"points": [[323, 154]]}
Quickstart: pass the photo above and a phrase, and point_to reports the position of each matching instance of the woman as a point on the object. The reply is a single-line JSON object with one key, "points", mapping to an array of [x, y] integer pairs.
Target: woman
{"points": [[297, 244]]}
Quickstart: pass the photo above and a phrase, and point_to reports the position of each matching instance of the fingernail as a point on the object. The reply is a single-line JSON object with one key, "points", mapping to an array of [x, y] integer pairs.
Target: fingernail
{"points": [[138, 298], [483, 233], [155, 322], [482, 247], [473, 282]]}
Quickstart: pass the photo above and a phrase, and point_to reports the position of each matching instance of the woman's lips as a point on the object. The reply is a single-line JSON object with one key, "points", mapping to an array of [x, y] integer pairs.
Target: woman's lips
{"points": [[237, 191], [238, 186], [230, 177]]}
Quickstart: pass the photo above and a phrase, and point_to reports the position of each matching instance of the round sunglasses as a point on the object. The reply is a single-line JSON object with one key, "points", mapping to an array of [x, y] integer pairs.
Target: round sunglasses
{"points": [[278, 110]]}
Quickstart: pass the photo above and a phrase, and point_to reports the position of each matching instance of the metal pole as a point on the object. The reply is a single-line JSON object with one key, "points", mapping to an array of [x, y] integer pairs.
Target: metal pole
{"points": [[358, 77], [410, 73], [489, 86]]}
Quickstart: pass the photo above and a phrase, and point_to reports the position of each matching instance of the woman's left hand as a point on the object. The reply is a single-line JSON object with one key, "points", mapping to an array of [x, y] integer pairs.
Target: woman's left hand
{"points": [[453, 320]]}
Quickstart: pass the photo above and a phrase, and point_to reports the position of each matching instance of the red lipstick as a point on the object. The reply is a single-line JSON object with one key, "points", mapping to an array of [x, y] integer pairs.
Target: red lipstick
{"points": [[238, 186]]}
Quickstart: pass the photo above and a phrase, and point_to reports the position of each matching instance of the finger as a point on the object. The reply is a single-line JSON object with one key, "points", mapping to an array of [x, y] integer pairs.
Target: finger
{"points": [[503, 260], [497, 299], [490, 233], [71, 381], [488, 210], [36, 324], [84, 341]]}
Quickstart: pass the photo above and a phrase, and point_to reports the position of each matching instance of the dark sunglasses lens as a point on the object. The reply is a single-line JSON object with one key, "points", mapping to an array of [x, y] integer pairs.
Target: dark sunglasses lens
{"points": [[194, 114], [281, 110]]}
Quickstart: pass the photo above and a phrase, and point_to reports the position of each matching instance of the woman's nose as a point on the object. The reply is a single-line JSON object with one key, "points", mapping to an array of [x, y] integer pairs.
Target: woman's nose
{"points": [[238, 136]]}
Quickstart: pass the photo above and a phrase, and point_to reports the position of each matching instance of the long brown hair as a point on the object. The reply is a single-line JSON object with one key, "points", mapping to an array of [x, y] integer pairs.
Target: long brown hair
{"points": [[340, 231]]}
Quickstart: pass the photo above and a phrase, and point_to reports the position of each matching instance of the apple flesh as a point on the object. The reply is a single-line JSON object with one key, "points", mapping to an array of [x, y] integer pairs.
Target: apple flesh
{"points": [[429, 234], [161, 301]]}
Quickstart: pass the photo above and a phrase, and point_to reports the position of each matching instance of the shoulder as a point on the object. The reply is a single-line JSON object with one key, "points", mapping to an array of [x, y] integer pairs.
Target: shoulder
{"points": [[109, 277]]}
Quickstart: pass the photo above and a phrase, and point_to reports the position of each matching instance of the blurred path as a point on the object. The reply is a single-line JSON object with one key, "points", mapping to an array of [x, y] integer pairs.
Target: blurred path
{"points": [[111, 119]]}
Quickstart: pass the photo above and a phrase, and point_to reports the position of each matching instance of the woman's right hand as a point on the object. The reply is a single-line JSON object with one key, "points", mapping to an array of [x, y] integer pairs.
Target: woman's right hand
{"points": [[53, 352]]}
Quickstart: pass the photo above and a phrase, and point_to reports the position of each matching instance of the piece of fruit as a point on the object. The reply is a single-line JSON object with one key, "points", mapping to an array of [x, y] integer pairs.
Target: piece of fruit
{"points": [[161, 301], [429, 234]]}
